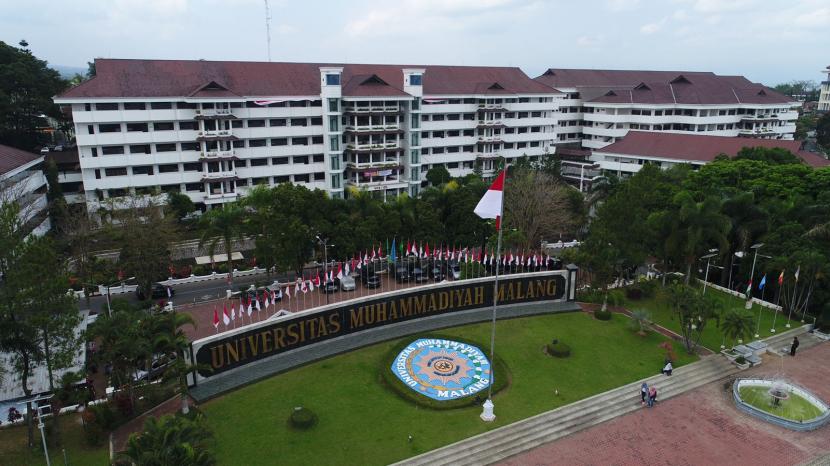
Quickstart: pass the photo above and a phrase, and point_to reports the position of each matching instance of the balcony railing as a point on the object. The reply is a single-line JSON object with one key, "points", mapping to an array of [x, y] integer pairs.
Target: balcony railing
{"points": [[220, 175], [215, 134], [218, 154], [373, 146], [370, 128], [214, 113], [371, 109]]}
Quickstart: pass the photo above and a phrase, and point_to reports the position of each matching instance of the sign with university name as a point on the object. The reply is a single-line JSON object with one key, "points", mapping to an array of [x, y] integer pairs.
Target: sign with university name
{"points": [[234, 349], [443, 369]]}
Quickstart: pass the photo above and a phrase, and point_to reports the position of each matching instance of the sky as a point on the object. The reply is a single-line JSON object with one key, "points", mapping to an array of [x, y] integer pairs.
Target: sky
{"points": [[768, 41]]}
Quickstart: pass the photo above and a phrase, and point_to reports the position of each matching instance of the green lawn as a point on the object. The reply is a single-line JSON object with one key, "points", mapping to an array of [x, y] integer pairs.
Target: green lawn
{"points": [[663, 314], [363, 423], [13, 450]]}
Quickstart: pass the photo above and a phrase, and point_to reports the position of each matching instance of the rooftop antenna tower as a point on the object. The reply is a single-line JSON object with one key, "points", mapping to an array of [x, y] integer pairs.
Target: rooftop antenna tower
{"points": [[268, 28]]}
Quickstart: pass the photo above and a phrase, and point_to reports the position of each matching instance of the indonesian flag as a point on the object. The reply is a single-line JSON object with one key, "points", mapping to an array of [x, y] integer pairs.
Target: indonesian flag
{"points": [[226, 319], [216, 317], [304, 286], [421, 250], [317, 280], [414, 249], [287, 291], [311, 284], [258, 307], [233, 311], [485, 258], [408, 246], [297, 286], [374, 253], [359, 265], [340, 271], [250, 306], [749, 287], [366, 257], [426, 250], [346, 271], [490, 206], [331, 276], [781, 278], [267, 300]]}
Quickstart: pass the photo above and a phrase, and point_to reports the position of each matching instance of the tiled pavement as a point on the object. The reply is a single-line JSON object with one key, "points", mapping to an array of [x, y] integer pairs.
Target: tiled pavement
{"points": [[701, 427]]}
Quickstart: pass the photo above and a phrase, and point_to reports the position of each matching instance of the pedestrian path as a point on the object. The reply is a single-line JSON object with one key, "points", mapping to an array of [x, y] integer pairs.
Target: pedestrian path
{"points": [[530, 433]]}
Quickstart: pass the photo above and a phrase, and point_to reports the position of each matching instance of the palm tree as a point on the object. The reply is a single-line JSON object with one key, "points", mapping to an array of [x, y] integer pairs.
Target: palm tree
{"points": [[696, 226], [223, 225], [172, 341], [171, 440], [749, 221], [736, 325]]}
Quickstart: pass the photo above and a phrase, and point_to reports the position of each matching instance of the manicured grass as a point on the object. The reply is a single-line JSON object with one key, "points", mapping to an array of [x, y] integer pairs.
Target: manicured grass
{"points": [[13, 449], [361, 422], [794, 408], [662, 313]]}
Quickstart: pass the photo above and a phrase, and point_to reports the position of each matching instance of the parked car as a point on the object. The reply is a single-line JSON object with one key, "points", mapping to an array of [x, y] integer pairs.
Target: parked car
{"points": [[58, 148], [347, 283], [372, 281], [160, 363], [402, 274], [44, 150], [419, 276], [274, 289], [455, 270], [331, 286], [158, 291]]}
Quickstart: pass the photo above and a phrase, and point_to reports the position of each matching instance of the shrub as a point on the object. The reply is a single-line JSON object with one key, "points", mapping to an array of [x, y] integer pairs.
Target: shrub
{"points": [[648, 288], [558, 349], [599, 314], [740, 360], [616, 298], [302, 418], [590, 296], [634, 293]]}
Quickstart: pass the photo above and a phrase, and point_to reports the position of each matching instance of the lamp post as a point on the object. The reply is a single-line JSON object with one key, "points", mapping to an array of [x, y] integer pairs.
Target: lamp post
{"points": [[107, 294], [41, 426], [708, 258], [324, 243]]}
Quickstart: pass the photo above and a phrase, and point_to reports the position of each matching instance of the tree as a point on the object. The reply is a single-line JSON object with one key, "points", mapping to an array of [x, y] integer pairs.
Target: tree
{"points": [[180, 204], [173, 342], [57, 204], [799, 89], [736, 325], [27, 86], [438, 175], [823, 131], [223, 225], [171, 440], [538, 205], [694, 311], [695, 227]]}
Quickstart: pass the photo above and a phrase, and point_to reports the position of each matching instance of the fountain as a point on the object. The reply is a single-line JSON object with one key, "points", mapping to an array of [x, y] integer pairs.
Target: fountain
{"points": [[780, 402]]}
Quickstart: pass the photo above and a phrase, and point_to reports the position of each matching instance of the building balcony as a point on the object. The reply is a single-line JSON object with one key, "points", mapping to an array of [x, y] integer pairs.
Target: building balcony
{"points": [[759, 118], [490, 140], [390, 164], [221, 135], [378, 147], [386, 183], [215, 114], [218, 155], [488, 155], [492, 108], [220, 197], [372, 129], [490, 124], [375, 109], [219, 176]]}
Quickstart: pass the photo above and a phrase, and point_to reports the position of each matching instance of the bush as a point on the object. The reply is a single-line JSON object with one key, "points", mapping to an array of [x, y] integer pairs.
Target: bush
{"points": [[302, 418], [634, 293], [558, 349], [616, 298], [648, 288], [590, 296], [740, 360], [599, 314]]}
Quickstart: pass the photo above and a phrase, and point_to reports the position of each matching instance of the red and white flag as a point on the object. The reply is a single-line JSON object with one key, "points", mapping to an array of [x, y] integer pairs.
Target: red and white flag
{"points": [[287, 291], [340, 271], [216, 317], [233, 312], [226, 319], [490, 205]]}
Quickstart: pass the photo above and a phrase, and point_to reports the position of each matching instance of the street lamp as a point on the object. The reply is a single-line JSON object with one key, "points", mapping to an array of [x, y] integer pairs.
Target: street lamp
{"points": [[708, 258], [324, 243], [41, 426], [109, 309]]}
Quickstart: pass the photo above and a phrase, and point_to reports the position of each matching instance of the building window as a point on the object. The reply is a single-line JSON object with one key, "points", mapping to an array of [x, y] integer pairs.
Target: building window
{"points": [[279, 161], [319, 176], [109, 128], [190, 146], [302, 141], [188, 125], [169, 168], [186, 105], [137, 127], [316, 139], [334, 105], [334, 124], [300, 159], [335, 181], [301, 178], [256, 123], [316, 121], [112, 150], [414, 157], [166, 147], [194, 187], [297, 103], [117, 171], [318, 158], [415, 174], [97, 173], [161, 105], [257, 142], [334, 143], [332, 80], [106, 106], [277, 122], [335, 162], [416, 103], [240, 144], [134, 106], [279, 142], [192, 167], [259, 162], [143, 170], [163, 126], [140, 149], [299, 122], [416, 139], [415, 79]]}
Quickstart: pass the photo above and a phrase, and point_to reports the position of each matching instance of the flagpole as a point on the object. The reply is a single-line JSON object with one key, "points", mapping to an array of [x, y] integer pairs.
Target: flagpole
{"points": [[488, 405], [792, 301]]}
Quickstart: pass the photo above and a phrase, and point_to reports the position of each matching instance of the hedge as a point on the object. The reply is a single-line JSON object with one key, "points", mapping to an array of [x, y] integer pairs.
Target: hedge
{"points": [[558, 349], [599, 314], [302, 418], [388, 378]]}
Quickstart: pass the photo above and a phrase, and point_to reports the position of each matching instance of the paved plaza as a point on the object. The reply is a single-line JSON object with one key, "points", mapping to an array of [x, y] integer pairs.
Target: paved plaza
{"points": [[701, 427]]}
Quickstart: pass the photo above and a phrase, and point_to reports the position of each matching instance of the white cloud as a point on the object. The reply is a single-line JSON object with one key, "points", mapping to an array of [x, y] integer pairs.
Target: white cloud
{"points": [[817, 18], [651, 28], [622, 5], [681, 15], [590, 41], [718, 6]]}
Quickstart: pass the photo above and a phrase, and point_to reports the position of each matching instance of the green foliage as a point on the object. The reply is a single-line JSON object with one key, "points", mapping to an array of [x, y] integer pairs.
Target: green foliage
{"points": [[171, 440], [590, 295], [438, 175], [770, 155], [799, 89], [599, 314], [180, 204], [640, 321], [223, 225], [736, 324], [823, 131], [558, 349], [693, 311], [740, 360], [302, 418], [27, 86]]}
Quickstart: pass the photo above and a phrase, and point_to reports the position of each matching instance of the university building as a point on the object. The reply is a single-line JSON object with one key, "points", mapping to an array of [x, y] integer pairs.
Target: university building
{"points": [[824, 93], [22, 180], [213, 130]]}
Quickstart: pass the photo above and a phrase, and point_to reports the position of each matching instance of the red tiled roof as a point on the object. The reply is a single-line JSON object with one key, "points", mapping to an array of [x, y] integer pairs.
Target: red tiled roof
{"points": [[11, 158], [699, 148], [661, 87], [179, 78]]}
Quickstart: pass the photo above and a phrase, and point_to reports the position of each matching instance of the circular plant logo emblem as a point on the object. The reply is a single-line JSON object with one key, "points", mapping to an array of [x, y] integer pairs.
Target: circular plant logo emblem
{"points": [[443, 369]]}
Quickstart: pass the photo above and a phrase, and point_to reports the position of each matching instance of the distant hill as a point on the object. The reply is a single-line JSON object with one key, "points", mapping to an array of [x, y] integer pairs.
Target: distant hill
{"points": [[69, 71]]}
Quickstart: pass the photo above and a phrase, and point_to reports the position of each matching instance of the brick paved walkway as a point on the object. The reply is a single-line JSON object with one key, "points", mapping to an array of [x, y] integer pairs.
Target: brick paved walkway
{"points": [[701, 427]]}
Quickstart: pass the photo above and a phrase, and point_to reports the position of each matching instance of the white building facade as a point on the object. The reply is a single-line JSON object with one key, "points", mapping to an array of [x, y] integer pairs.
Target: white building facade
{"points": [[213, 130], [601, 106], [22, 181], [824, 93]]}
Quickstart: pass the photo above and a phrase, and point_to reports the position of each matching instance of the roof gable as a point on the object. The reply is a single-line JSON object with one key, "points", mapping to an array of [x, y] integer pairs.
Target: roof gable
{"points": [[680, 79]]}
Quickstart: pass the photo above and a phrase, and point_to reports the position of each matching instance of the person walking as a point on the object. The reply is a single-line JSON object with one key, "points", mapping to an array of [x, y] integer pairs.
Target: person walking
{"points": [[794, 346], [667, 368], [652, 396], [643, 393]]}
